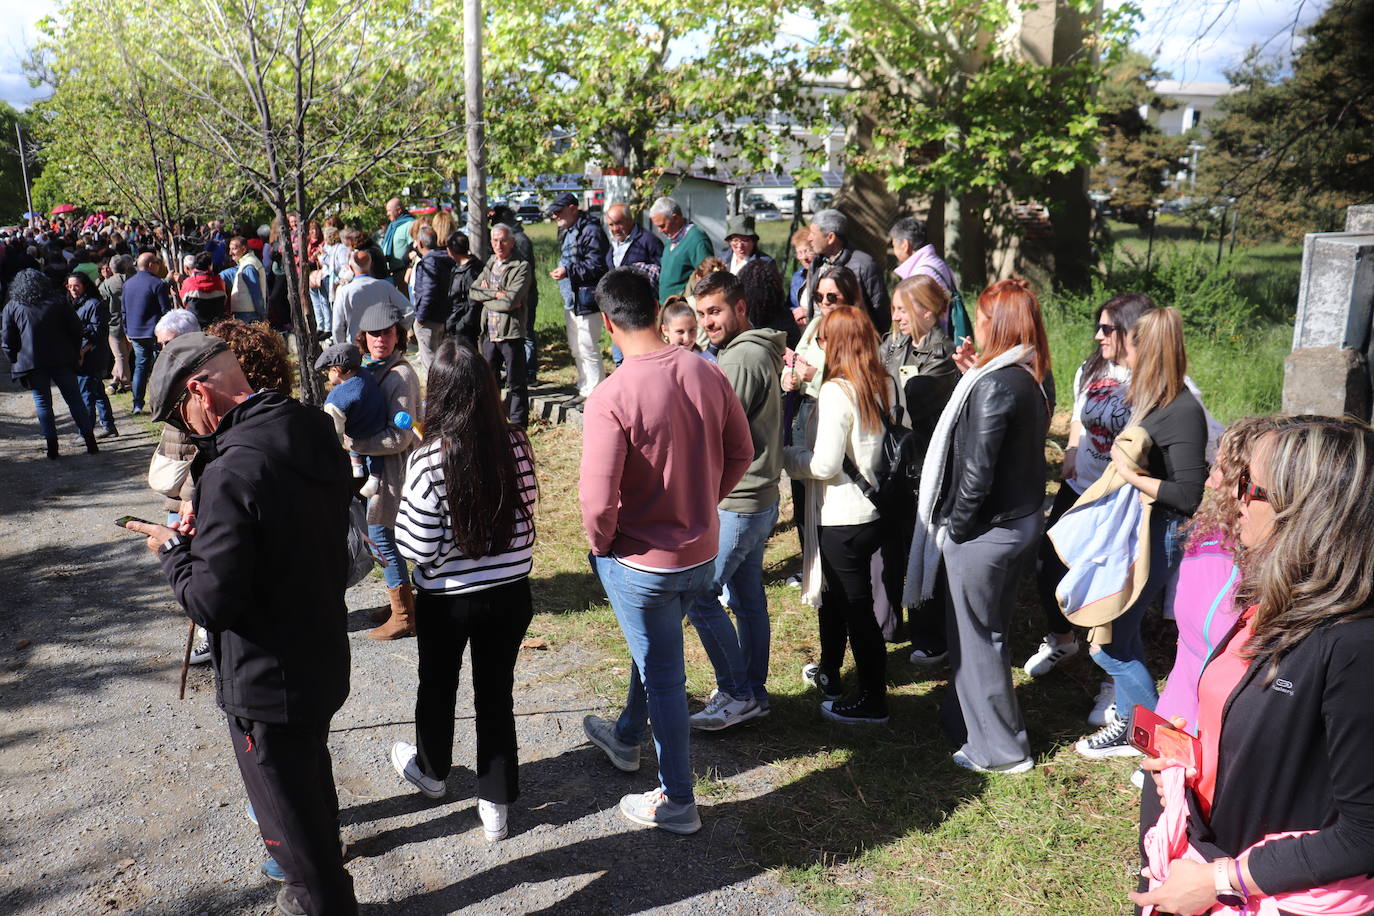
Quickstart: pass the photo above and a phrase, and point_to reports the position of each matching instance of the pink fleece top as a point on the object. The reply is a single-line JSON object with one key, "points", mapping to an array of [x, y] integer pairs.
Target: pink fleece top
{"points": [[664, 439]]}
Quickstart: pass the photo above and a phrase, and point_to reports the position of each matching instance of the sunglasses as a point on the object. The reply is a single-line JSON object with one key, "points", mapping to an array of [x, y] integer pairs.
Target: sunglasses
{"points": [[830, 298], [1106, 330], [1247, 492]]}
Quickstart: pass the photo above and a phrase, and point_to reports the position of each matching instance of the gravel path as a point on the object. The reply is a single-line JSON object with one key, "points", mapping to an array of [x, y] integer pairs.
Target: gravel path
{"points": [[117, 797]]}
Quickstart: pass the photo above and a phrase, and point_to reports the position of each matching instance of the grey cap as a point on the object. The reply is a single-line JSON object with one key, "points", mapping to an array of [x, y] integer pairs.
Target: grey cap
{"points": [[343, 355], [740, 224], [181, 357], [561, 201], [379, 317]]}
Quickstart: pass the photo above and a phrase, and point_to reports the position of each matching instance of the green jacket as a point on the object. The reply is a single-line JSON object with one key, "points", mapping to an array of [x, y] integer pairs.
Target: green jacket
{"points": [[680, 260], [502, 289], [753, 364]]}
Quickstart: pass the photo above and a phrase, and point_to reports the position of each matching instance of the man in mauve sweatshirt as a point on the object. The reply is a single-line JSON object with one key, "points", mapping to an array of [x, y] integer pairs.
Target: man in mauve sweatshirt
{"points": [[664, 440]]}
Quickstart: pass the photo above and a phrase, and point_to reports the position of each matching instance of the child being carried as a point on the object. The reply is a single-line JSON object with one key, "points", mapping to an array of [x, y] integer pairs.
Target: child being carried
{"points": [[356, 404]]}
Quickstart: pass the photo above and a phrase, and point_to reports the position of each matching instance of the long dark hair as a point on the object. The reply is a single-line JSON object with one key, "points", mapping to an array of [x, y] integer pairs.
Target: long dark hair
{"points": [[765, 297], [463, 412], [1124, 310]]}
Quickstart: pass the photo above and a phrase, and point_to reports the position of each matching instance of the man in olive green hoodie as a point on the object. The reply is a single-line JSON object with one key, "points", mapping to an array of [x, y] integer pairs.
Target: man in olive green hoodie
{"points": [[751, 359]]}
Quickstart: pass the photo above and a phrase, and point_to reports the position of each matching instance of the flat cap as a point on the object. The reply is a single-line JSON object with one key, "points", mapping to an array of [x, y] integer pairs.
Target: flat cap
{"points": [[181, 357], [379, 317], [344, 355]]}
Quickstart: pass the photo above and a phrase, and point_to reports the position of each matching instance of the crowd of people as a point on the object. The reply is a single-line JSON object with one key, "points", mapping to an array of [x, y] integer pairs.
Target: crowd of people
{"points": [[913, 437]]}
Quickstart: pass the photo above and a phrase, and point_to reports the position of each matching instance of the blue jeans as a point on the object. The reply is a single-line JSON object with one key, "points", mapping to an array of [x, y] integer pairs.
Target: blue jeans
{"points": [[650, 607], [740, 658], [319, 299], [96, 400], [395, 572], [40, 381], [616, 356], [1123, 659], [145, 354]]}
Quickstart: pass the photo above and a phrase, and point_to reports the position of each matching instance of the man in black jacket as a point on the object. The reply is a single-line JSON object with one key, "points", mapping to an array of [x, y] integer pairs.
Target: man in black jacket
{"points": [[264, 572], [829, 229]]}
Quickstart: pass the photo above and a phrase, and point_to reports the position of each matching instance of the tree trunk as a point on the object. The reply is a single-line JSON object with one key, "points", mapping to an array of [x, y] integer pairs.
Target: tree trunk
{"points": [[294, 269]]}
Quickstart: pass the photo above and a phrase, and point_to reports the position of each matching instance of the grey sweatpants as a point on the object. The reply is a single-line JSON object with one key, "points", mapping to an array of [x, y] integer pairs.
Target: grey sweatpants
{"points": [[980, 711]]}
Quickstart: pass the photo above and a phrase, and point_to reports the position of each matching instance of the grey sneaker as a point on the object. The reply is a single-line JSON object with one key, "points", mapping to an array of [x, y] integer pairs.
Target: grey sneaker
{"points": [[654, 809], [601, 732], [722, 711], [404, 763]]}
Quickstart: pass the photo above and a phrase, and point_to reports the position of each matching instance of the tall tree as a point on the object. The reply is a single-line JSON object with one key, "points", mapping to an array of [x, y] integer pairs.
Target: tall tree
{"points": [[1296, 151], [1137, 157]]}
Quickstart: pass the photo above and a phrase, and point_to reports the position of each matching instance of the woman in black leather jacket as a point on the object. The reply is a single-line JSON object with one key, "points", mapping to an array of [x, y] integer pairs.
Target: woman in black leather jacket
{"points": [[990, 509]]}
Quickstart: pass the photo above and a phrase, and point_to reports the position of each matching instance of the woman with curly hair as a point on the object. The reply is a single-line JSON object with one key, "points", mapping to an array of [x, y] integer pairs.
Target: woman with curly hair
{"points": [[262, 354]]}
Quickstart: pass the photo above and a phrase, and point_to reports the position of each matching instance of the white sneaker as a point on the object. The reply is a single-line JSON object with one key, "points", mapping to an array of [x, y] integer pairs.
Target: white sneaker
{"points": [[722, 711], [404, 763], [1104, 707], [493, 818], [1050, 653], [966, 762]]}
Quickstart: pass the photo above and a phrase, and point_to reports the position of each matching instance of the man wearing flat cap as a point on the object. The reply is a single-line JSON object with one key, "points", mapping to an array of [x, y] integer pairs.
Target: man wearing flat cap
{"points": [[582, 247], [264, 572]]}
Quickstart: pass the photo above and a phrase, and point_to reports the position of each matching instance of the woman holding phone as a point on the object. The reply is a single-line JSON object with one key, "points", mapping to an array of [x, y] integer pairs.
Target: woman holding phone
{"points": [[1278, 813]]}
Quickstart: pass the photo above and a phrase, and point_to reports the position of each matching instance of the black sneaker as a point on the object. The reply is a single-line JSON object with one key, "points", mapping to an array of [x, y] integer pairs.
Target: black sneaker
{"points": [[830, 685], [1111, 740], [859, 710]]}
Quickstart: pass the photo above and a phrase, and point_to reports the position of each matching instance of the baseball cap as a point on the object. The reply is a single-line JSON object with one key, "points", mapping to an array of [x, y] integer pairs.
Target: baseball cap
{"points": [[561, 201]]}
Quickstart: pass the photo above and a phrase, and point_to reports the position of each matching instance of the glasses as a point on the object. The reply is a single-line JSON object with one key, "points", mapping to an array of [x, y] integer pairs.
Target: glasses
{"points": [[1247, 491], [1106, 330], [830, 298]]}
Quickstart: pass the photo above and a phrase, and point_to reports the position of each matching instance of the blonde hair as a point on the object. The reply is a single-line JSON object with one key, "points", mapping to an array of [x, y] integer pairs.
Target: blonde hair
{"points": [[444, 225], [921, 291], [1316, 567], [1218, 514], [1160, 362]]}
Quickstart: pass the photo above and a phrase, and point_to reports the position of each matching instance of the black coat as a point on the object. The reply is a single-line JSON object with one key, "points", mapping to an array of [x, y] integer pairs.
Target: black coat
{"points": [[997, 471], [46, 336], [465, 317], [429, 286], [94, 315], [870, 281], [266, 569]]}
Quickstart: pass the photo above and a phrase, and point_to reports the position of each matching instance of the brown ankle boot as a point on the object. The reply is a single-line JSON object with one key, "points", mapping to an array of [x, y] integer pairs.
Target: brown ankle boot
{"points": [[401, 623]]}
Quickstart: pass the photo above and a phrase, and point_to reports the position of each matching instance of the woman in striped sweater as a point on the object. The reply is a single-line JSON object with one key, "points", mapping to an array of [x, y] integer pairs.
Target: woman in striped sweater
{"points": [[467, 520]]}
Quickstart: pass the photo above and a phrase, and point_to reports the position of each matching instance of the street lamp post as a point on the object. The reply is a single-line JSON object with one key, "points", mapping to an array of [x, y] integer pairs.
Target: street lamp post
{"points": [[24, 169]]}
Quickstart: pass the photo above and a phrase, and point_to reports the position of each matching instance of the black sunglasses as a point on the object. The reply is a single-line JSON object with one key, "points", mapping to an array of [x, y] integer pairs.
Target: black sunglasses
{"points": [[1247, 492], [830, 298], [1106, 330]]}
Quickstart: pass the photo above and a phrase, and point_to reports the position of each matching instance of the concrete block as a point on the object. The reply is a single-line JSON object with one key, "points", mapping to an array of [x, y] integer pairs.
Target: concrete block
{"points": [[1326, 381], [1337, 291], [1360, 219]]}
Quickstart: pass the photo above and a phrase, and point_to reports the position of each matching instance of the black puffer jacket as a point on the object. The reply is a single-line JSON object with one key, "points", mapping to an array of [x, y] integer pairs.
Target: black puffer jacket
{"points": [[997, 469], [265, 571], [429, 286], [40, 328]]}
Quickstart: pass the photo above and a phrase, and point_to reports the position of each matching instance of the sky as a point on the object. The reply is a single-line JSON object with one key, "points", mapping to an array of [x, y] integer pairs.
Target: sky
{"points": [[1195, 40]]}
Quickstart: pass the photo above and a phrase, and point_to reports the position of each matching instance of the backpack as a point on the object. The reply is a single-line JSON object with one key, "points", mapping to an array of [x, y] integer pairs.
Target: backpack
{"points": [[898, 472]]}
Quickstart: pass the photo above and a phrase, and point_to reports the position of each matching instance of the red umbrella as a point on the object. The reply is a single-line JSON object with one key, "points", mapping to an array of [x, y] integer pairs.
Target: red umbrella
{"points": [[63, 208], [423, 208]]}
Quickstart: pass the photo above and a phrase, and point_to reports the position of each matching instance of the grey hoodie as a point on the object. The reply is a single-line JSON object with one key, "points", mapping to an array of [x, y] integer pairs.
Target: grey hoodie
{"points": [[753, 364]]}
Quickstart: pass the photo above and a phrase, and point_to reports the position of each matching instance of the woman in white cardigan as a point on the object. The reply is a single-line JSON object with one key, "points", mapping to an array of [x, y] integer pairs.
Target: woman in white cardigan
{"points": [[843, 528]]}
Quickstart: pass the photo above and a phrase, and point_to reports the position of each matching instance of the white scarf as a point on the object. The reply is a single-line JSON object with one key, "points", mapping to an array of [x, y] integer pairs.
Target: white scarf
{"points": [[928, 539]]}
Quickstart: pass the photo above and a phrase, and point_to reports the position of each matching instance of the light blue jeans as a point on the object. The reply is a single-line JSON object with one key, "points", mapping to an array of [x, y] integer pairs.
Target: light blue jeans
{"points": [[319, 300], [739, 657], [650, 607], [395, 572], [1123, 659]]}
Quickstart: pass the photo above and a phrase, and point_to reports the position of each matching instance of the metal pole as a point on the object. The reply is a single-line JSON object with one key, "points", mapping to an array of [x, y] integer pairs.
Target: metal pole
{"points": [[1234, 210], [1150, 249], [1221, 235], [476, 132], [24, 167]]}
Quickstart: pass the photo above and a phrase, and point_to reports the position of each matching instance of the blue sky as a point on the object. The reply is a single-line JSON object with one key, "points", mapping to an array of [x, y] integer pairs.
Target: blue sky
{"points": [[1196, 40]]}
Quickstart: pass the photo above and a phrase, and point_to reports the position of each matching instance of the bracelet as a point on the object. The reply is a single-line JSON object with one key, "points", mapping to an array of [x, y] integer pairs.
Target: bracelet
{"points": [[1240, 880]]}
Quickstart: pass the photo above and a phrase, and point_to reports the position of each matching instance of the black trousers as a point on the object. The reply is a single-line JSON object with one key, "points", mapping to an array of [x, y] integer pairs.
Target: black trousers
{"points": [[290, 781], [1052, 569], [847, 603], [494, 620], [511, 354]]}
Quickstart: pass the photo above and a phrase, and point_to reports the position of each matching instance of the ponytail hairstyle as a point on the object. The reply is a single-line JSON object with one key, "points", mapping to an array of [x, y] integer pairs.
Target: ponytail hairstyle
{"points": [[481, 477], [851, 353], [1160, 362], [1014, 320]]}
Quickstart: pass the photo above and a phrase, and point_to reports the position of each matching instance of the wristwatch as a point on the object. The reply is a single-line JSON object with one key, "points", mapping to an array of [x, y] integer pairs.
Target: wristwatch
{"points": [[1221, 878], [172, 543]]}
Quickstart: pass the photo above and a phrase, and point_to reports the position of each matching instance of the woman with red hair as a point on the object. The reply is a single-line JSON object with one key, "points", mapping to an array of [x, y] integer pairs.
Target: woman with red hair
{"points": [[982, 485], [845, 440]]}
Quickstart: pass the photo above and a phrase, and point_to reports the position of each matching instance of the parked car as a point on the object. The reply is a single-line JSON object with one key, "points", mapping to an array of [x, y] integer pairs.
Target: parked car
{"points": [[763, 212], [822, 201], [530, 212]]}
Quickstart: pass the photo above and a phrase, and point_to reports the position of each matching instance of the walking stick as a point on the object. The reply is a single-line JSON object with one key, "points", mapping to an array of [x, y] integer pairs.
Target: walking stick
{"points": [[186, 659]]}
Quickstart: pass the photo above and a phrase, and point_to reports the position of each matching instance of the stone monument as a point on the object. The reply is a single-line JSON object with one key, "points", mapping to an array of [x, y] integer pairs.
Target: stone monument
{"points": [[1328, 371]]}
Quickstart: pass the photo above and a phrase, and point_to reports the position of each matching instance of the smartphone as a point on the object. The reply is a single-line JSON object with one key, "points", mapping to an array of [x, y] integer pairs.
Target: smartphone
{"points": [[1154, 736], [123, 520]]}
